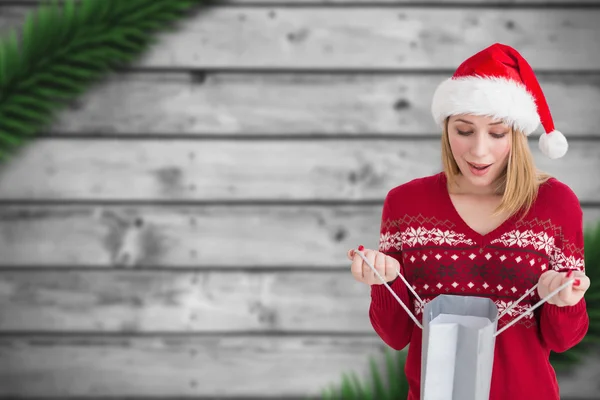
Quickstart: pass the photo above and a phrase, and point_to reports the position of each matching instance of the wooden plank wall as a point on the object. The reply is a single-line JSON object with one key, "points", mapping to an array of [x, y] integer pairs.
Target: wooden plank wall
{"points": [[181, 229]]}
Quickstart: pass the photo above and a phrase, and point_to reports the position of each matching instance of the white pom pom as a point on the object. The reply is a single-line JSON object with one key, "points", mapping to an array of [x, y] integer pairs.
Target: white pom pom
{"points": [[553, 144]]}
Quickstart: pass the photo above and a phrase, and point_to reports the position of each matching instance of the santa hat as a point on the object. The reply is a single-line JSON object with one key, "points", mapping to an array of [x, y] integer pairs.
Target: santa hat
{"points": [[498, 82]]}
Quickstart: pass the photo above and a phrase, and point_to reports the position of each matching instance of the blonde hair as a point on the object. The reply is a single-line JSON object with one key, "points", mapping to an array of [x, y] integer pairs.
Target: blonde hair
{"points": [[518, 183]]}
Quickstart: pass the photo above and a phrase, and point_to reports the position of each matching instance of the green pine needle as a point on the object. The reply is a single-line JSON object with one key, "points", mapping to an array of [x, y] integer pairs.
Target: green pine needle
{"points": [[65, 46], [394, 387]]}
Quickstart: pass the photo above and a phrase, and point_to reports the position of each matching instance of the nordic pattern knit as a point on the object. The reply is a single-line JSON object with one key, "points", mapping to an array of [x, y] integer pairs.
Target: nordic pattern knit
{"points": [[440, 254]]}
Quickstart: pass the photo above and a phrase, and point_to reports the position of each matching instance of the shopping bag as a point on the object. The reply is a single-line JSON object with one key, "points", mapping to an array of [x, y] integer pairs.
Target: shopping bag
{"points": [[459, 337], [458, 331]]}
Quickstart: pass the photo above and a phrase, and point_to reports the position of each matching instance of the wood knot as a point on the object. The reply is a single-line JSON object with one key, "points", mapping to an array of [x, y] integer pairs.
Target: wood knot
{"points": [[401, 104]]}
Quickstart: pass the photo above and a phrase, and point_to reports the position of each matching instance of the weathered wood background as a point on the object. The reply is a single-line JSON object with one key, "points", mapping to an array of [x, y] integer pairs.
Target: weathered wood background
{"points": [[182, 229]]}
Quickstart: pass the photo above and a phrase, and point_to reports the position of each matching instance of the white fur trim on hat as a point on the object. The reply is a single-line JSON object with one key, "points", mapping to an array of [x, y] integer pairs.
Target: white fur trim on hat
{"points": [[553, 144], [496, 97]]}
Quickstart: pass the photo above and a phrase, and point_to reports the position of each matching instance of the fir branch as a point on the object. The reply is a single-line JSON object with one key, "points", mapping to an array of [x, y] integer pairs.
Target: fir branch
{"points": [[395, 387], [65, 46]]}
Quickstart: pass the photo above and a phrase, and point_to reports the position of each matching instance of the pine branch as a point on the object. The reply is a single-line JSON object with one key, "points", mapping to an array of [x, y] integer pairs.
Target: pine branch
{"points": [[395, 387], [63, 48]]}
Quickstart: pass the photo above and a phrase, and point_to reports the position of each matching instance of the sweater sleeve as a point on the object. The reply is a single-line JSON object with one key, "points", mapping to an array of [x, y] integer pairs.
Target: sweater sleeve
{"points": [[564, 327], [388, 318]]}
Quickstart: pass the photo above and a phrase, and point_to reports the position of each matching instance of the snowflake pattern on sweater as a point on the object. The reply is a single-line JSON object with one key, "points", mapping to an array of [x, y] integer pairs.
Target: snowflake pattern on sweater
{"points": [[438, 257]]}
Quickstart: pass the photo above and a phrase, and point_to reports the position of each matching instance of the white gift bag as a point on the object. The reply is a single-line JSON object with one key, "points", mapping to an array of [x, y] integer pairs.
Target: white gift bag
{"points": [[459, 331]]}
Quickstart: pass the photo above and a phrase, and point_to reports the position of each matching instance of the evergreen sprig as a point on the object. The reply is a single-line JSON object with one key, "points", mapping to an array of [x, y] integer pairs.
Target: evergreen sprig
{"points": [[393, 387], [63, 47]]}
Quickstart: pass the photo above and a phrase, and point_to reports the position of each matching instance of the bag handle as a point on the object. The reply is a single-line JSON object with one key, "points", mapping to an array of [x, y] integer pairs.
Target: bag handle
{"points": [[505, 327], [356, 251], [529, 310]]}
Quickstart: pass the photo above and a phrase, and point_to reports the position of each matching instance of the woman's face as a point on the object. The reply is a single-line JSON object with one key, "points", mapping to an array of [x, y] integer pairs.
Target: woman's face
{"points": [[480, 145]]}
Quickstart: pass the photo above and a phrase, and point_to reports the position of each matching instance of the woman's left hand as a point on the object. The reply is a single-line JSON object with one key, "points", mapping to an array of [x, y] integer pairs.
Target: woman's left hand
{"points": [[570, 295]]}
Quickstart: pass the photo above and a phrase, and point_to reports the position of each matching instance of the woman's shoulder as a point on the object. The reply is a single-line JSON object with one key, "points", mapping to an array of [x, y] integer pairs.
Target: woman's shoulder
{"points": [[558, 197], [554, 189]]}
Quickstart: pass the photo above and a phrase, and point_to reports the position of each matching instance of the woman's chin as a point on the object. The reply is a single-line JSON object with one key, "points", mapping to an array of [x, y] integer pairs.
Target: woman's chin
{"points": [[479, 179]]}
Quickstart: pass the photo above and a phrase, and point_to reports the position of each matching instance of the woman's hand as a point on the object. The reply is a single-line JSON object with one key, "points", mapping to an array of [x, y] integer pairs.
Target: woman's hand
{"points": [[570, 295], [384, 264]]}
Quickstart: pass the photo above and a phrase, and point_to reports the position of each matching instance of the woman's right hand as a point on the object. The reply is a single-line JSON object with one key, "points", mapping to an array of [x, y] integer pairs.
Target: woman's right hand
{"points": [[387, 266]]}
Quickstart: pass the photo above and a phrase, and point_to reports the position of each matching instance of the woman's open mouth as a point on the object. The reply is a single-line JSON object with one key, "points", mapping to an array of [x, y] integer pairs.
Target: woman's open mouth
{"points": [[479, 169]]}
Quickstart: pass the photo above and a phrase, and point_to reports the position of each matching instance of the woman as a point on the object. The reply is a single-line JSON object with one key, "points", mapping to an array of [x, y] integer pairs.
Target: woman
{"points": [[489, 225]]}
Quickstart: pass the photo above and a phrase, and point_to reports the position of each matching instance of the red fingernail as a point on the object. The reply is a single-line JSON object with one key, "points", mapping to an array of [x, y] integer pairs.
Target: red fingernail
{"points": [[361, 248], [577, 282], [569, 273]]}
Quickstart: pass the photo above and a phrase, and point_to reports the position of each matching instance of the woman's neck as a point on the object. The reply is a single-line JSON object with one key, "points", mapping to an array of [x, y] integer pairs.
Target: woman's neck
{"points": [[464, 187]]}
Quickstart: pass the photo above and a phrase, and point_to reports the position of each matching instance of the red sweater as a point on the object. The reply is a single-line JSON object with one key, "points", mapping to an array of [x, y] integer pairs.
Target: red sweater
{"points": [[440, 254]]}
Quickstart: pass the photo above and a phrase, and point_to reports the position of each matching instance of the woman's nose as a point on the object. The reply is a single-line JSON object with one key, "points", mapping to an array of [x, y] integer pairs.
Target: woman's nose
{"points": [[479, 146]]}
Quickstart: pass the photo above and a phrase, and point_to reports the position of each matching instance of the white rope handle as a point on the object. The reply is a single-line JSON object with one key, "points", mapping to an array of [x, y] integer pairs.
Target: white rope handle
{"points": [[539, 303], [513, 305], [392, 291]]}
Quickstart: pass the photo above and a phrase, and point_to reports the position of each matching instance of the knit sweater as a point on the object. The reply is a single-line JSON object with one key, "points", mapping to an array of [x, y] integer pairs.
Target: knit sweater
{"points": [[440, 254]]}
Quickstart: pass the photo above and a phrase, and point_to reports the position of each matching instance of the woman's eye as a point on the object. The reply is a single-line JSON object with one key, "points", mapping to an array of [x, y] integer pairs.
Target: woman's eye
{"points": [[498, 135], [463, 133]]}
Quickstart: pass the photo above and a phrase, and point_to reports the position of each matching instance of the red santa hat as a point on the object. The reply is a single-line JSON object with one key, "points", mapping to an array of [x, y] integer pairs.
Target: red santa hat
{"points": [[498, 82]]}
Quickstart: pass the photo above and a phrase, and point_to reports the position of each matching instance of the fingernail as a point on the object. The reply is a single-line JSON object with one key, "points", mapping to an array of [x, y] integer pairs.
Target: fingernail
{"points": [[577, 282], [361, 248], [569, 273]]}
